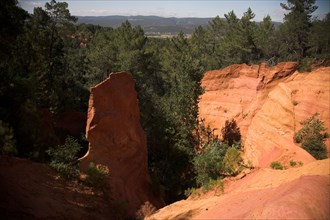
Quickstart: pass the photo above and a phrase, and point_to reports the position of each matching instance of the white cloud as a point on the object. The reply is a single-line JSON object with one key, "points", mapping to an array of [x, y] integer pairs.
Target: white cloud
{"points": [[278, 14], [36, 4]]}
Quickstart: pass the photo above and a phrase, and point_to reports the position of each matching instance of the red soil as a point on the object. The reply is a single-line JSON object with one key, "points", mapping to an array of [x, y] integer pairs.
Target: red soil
{"points": [[33, 191]]}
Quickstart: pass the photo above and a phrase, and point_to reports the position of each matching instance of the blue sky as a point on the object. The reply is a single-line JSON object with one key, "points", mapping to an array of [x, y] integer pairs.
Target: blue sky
{"points": [[180, 8]]}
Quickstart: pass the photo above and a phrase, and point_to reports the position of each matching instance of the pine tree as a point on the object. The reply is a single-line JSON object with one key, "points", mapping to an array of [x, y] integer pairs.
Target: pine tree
{"points": [[296, 28], [266, 38], [319, 39]]}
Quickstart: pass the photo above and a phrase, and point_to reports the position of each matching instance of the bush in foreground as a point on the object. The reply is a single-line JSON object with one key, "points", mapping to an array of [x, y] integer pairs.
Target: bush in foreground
{"points": [[312, 137], [209, 163], [64, 158], [233, 161], [97, 176]]}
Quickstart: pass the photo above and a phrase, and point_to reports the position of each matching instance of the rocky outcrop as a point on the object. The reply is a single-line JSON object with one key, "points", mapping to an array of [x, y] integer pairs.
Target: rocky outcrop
{"points": [[267, 103], [238, 91], [118, 141]]}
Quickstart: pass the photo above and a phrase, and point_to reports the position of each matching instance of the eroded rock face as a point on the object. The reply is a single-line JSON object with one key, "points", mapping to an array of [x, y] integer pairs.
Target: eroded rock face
{"points": [[238, 91], [267, 103], [117, 140]]}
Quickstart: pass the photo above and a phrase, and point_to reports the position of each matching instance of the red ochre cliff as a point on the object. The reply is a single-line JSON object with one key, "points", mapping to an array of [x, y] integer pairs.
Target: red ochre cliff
{"points": [[267, 103], [118, 141]]}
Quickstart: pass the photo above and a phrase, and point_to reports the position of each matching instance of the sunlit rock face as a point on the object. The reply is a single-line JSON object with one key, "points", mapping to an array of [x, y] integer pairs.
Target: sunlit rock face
{"points": [[117, 140], [267, 103]]}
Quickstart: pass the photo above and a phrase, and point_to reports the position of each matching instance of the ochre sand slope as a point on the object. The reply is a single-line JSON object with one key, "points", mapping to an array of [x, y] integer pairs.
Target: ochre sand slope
{"points": [[296, 193]]}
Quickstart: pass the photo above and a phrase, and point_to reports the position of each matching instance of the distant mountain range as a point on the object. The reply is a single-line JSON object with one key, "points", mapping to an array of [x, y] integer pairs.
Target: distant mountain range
{"points": [[152, 25]]}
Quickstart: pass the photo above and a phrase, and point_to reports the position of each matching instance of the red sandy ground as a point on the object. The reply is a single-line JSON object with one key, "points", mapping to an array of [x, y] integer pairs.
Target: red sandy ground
{"points": [[296, 193], [33, 191]]}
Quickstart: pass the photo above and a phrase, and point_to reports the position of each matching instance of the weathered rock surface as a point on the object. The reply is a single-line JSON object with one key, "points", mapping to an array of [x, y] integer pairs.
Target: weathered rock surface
{"points": [[117, 140], [267, 103], [298, 193]]}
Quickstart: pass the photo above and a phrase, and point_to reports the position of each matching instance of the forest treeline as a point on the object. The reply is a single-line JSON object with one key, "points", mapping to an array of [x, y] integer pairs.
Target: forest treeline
{"points": [[49, 62]]}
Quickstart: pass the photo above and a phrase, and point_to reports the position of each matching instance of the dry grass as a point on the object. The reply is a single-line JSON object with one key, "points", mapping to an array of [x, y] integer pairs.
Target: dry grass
{"points": [[145, 210]]}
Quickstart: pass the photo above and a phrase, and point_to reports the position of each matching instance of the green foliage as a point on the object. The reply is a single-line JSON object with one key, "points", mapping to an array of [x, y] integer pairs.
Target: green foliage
{"points": [[319, 40], [266, 35], [192, 191], [209, 163], [293, 163], [43, 72], [296, 28], [173, 115], [12, 20], [7, 140], [48, 65], [97, 176], [305, 64], [64, 158], [315, 146], [216, 185], [233, 161], [312, 137], [277, 165], [217, 158]]}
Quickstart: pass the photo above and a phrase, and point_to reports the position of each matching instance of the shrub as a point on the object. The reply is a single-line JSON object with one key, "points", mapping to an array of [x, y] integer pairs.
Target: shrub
{"points": [[293, 163], [209, 163], [305, 65], [277, 165], [212, 184], [192, 192], [7, 140], [312, 137], [97, 176], [64, 158], [231, 133], [218, 158], [145, 210], [232, 161]]}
